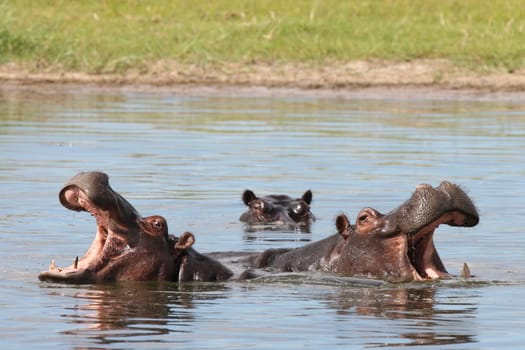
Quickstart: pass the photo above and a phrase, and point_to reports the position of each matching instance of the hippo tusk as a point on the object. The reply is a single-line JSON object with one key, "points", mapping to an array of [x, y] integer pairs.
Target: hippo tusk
{"points": [[53, 266], [465, 273], [75, 264]]}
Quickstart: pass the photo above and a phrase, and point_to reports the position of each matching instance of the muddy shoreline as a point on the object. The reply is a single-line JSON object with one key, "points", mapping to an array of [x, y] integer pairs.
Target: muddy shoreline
{"points": [[371, 80]]}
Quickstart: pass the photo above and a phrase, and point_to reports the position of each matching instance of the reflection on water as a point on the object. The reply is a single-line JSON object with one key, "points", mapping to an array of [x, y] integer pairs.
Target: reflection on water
{"points": [[135, 312], [296, 233], [189, 157], [432, 322], [171, 313]]}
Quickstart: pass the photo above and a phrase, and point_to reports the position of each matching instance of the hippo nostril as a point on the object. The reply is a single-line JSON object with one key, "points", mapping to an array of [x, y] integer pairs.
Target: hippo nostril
{"points": [[72, 197], [363, 218]]}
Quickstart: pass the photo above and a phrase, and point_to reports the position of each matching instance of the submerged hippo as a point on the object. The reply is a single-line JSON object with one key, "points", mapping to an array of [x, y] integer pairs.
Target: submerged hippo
{"points": [[126, 245], [277, 209], [397, 246]]}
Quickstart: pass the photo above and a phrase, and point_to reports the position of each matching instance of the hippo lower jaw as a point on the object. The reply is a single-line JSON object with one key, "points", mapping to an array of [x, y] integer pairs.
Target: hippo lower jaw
{"points": [[82, 271], [73, 276]]}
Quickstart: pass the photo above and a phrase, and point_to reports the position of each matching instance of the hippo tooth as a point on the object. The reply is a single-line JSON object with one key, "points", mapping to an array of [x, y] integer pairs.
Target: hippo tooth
{"points": [[75, 264], [52, 266], [465, 273]]}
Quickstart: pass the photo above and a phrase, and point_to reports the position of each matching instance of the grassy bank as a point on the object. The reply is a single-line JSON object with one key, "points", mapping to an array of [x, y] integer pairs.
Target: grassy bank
{"points": [[114, 36]]}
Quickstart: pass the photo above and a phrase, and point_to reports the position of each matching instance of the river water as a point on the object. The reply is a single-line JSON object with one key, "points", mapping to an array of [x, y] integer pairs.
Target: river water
{"points": [[189, 155]]}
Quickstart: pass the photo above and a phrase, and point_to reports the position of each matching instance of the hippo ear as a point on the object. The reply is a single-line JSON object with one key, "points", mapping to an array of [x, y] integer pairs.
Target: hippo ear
{"points": [[248, 196], [307, 196], [185, 241], [343, 226]]}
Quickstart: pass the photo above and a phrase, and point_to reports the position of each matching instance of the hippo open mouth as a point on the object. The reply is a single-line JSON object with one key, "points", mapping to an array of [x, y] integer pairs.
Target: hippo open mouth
{"points": [[421, 251], [126, 246], [422, 214]]}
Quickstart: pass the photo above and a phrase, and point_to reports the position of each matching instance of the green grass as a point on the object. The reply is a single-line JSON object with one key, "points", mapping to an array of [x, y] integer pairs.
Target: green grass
{"points": [[111, 36]]}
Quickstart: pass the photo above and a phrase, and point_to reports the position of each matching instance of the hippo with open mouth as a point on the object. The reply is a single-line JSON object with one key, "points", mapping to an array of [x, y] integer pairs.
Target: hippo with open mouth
{"points": [[128, 246], [397, 246], [277, 209]]}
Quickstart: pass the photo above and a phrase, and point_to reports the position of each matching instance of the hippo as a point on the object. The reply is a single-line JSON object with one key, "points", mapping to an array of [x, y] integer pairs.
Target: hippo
{"points": [[277, 209], [397, 246], [128, 246], [194, 266]]}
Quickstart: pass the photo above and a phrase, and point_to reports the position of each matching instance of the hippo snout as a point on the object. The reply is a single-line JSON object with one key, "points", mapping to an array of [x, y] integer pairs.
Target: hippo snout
{"points": [[427, 204]]}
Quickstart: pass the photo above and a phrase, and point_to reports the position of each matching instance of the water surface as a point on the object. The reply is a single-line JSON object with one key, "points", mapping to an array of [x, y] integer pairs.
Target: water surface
{"points": [[189, 156]]}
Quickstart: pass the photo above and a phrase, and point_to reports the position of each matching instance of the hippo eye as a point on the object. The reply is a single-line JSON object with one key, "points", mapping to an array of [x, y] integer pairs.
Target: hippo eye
{"points": [[263, 206]]}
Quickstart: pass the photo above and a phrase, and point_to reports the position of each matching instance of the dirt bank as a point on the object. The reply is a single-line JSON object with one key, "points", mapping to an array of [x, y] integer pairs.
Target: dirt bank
{"points": [[430, 78]]}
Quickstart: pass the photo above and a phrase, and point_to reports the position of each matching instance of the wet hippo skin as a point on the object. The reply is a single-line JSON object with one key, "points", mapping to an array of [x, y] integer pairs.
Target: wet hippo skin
{"points": [[128, 246], [397, 246]]}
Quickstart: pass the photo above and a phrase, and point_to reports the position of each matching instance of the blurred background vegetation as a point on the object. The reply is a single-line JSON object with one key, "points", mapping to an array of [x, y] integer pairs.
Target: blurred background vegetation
{"points": [[117, 35]]}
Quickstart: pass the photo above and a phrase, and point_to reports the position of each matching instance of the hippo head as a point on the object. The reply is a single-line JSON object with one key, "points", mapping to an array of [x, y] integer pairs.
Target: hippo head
{"points": [[277, 209], [191, 265], [126, 246], [399, 245]]}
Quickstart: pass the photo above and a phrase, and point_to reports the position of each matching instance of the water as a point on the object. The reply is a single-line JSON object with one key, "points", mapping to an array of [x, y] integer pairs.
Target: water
{"points": [[189, 155]]}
